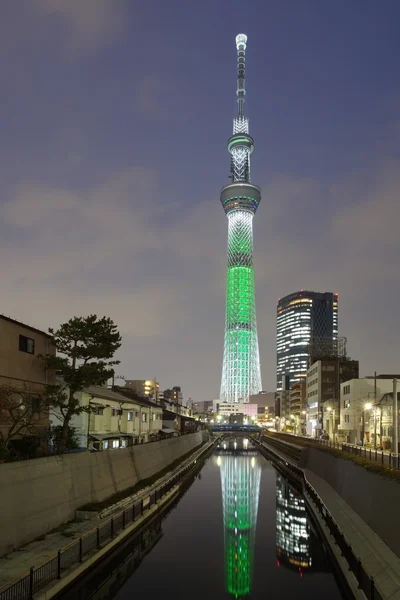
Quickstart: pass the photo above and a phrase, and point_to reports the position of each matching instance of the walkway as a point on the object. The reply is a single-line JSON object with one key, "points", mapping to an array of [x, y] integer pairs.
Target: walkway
{"points": [[376, 557]]}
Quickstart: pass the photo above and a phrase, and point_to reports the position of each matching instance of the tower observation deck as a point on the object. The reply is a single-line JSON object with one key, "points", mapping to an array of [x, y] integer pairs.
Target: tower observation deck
{"points": [[241, 375]]}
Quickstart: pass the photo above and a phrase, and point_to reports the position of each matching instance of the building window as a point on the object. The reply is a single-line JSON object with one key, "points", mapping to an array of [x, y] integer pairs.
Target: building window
{"points": [[115, 412], [115, 443], [346, 404], [136, 414], [26, 344], [98, 411], [124, 443], [347, 418], [154, 416], [144, 417], [130, 416], [105, 445], [35, 404]]}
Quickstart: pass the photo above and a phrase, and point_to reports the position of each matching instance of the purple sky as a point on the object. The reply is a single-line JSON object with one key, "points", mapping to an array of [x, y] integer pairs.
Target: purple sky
{"points": [[114, 121]]}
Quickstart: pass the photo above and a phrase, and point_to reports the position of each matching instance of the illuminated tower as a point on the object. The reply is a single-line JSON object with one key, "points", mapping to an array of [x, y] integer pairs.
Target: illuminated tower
{"points": [[240, 480], [241, 375]]}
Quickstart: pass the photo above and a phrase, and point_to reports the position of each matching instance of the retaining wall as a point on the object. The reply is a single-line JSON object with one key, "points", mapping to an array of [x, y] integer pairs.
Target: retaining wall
{"points": [[39, 495], [375, 498]]}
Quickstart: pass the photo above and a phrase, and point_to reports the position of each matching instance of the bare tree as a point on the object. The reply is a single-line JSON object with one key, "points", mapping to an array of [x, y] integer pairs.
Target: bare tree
{"points": [[20, 412]]}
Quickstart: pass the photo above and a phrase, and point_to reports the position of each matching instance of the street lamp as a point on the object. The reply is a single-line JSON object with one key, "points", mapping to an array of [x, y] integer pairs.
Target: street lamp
{"points": [[332, 412], [367, 406]]}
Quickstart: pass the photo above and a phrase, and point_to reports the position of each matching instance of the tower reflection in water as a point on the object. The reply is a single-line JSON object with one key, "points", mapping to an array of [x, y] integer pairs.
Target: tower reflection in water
{"points": [[293, 534], [240, 480]]}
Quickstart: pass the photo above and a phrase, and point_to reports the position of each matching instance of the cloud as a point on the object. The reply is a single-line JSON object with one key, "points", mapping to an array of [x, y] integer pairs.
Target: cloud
{"points": [[371, 214], [68, 232], [88, 23]]}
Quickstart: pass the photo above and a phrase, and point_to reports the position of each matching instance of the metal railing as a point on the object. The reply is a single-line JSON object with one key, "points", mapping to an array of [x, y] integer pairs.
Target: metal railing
{"points": [[74, 553], [365, 582]]}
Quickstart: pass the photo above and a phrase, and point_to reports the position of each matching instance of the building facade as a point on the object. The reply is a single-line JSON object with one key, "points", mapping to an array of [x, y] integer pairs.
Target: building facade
{"points": [[241, 374], [224, 409], [302, 317], [22, 372], [366, 410], [110, 420], [149, 388], [323, 381]]}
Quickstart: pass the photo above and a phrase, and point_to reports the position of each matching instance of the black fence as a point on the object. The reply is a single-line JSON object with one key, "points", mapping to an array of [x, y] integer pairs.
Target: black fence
{"points": [[365, 582], [73, 554]]}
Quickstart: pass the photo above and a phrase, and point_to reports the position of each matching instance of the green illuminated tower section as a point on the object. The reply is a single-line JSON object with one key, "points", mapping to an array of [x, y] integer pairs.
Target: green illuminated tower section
{"points": [[240, 479], [241, 375]]}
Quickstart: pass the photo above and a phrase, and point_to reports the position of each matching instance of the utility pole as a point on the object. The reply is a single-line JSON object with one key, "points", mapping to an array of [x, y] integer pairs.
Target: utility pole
{"points": [[375, 409], [395, 448]]}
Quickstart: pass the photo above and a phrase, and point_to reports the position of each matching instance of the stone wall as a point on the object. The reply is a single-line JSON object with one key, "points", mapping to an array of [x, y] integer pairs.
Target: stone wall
{"points": [[39, 495]]}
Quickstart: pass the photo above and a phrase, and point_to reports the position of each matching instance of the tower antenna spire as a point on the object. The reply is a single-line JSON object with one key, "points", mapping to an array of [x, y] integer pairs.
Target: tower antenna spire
{"points": [[241, 41]]}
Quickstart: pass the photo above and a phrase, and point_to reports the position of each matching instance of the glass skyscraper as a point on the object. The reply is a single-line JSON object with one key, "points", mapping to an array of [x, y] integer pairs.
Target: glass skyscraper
{"points": [[302, 318]]}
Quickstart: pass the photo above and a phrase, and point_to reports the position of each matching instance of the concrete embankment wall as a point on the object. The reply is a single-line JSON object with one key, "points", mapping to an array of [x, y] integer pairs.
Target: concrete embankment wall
{"points": [[38, 495], [375, 498]]}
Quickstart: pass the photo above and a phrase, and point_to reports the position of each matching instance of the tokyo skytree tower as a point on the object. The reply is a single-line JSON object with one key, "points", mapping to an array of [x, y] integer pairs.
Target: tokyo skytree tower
{"points": [[241, 375]]}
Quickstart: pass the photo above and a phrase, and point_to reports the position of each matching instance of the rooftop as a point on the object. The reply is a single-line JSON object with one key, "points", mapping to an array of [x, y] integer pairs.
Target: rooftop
{"points": [[24, 325]]}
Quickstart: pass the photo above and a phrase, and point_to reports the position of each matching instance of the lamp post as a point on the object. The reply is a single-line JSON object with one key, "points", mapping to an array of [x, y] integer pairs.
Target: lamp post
{"points": [[367, 406], [395, 419], [329, 409]]}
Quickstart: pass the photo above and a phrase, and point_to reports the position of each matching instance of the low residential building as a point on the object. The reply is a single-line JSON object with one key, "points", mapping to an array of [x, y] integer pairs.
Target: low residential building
{"points": [[151, 415], [21, 370], [202, 407], [109, 420], [224, 409], [366, 410], [175, 407]]}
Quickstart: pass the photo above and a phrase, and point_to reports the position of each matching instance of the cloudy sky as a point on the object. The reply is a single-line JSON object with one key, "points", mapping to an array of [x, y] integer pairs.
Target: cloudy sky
{"points": [[114, 121]]}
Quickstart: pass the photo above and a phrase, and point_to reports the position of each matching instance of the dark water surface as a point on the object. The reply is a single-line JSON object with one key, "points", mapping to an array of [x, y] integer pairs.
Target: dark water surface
{"points": [[240, 531]]}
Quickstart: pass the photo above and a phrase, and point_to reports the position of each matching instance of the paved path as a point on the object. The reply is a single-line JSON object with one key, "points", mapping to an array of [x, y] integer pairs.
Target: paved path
{"points": [[376, 557]]}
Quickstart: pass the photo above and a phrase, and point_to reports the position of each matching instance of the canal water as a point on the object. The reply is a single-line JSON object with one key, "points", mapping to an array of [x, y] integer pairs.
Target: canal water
{"points": [[240, 531]]}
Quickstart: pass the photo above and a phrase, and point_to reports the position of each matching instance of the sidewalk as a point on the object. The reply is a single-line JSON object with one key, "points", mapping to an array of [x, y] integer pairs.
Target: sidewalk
{"points": [[376, 557], [17, 563]]}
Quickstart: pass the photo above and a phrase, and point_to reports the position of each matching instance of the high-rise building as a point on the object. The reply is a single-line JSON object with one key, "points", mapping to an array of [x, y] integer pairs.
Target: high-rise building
{"points": [[303, 317], [241, 364]]}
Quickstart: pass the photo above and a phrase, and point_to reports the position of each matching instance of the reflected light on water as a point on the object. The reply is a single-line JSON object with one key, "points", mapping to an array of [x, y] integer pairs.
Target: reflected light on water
{"points": [[240, 480]]}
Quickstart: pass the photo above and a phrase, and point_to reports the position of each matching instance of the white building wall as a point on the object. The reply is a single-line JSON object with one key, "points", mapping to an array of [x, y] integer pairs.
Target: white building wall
{"points": [[354, 394], [313, 393]]}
